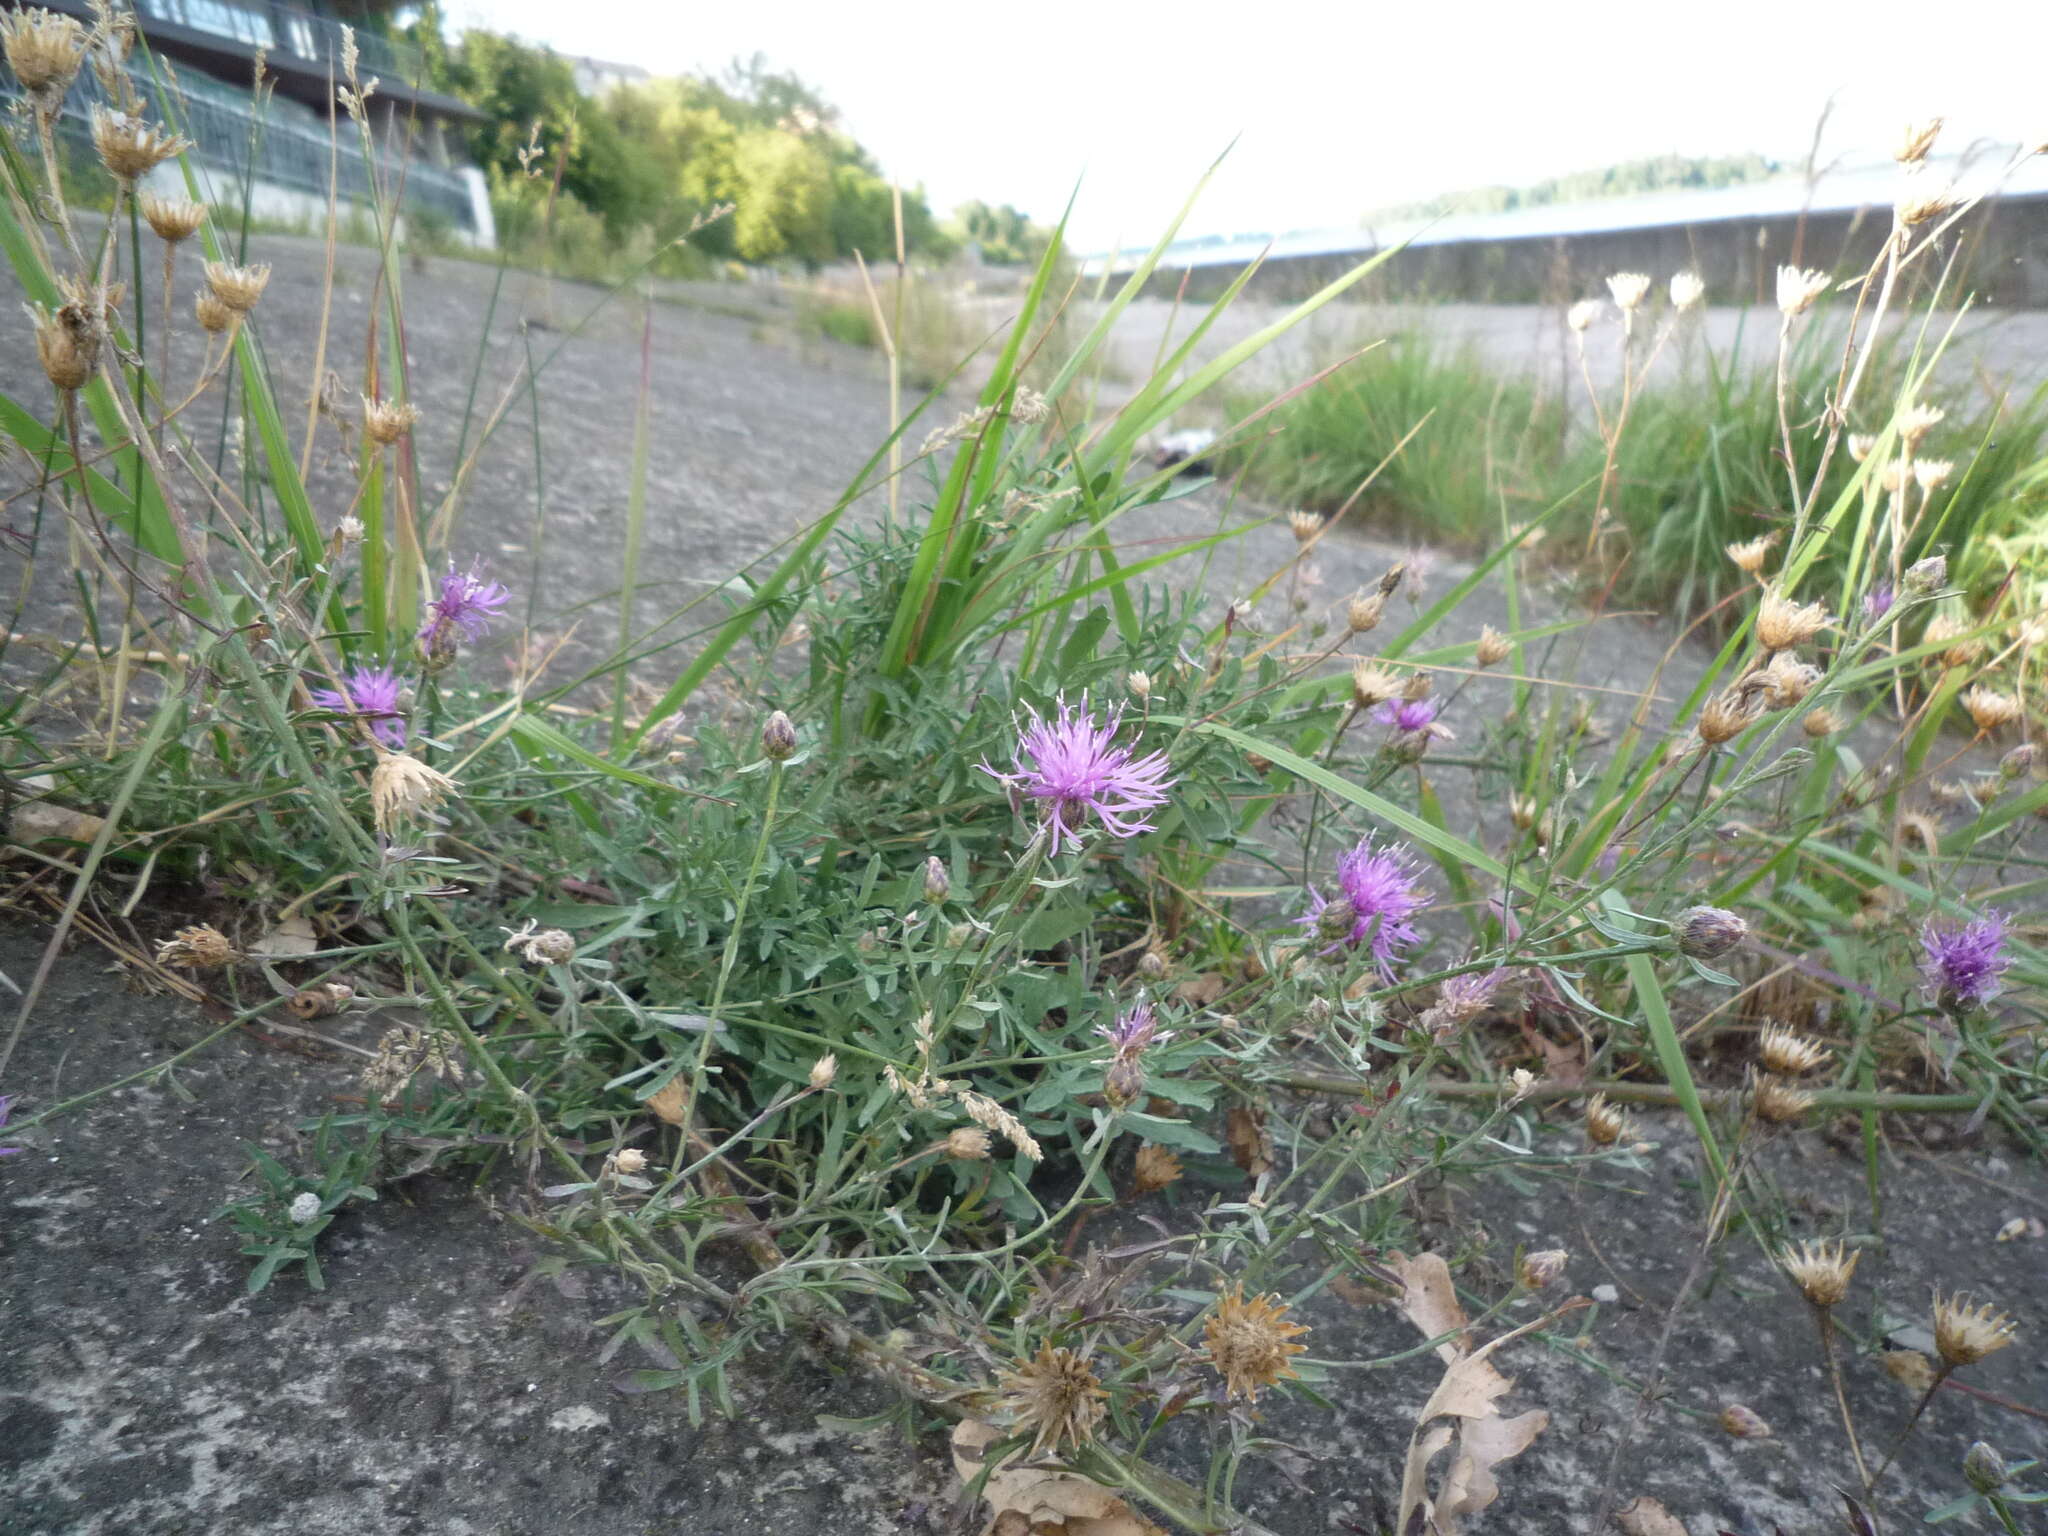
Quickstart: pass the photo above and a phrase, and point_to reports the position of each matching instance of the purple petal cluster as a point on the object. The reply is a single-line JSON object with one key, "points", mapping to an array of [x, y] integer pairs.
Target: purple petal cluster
{"points": [[1409, 715], [1382, 887], [465, 606], [371, 692], [1877, 602], [1072, 765], [1134, 1031], [1963, 964]]}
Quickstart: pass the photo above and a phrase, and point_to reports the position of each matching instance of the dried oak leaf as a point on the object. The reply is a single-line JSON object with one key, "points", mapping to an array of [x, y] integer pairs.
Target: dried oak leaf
{"points": [[1039, 1499], [1251, 1147]]}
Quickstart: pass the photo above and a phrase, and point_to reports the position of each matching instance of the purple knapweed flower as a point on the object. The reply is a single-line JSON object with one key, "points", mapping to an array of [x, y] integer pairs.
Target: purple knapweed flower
{"points": [[1411, 715], [6, 1106], [1077, 771], [465, 606], [371, 692], [1379, 885], [1877, 602], [1964, 964], [1134, 1031]]}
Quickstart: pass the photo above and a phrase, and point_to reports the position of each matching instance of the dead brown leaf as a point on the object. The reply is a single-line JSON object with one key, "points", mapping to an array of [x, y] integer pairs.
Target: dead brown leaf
{"points": [[1039, 1499], [1201, 991], [1251, 1147], [670, 1100], [1429, 1300], [41, 822], [1646, 1517], [291, 939]]}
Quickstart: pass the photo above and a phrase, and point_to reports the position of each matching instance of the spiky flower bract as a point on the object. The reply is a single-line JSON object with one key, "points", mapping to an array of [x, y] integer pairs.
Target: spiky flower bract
{"points": [[1055, 1398], [1963, 964], [1076, 770], [1821, 1270], [1381, 887], [1965, 1331], [1134, 1030], [372, 694], [1248, 1342]]}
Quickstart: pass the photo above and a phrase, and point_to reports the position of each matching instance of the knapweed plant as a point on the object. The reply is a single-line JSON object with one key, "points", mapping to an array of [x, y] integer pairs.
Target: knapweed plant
{"points": [[859, 953]]}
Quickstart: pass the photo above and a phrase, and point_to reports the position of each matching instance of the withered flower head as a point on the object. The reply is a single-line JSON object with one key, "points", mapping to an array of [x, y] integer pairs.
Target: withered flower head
{"points": [[1909, 1368], [1821, 1270], [1493, 646], [1605, 1124], [44, 50], [1372, 684], [174, 219], [386, 421], [969, 1143], [200, 948], [1706, 933], [1583, 315], [1154, 1168], [67, 345], [237, 287], [1363, 612], [1965, 1332], [130, 148], [1140, 684], [1304, 525], [1959, 647], [1054, 1398], [1787, 680], [1933, 474], [1782, 624], [1728, 714], [541, 946], [1749, 556], [1915, 140], [1776, 1100], [1687, 289], [402, 786], [1788, 1052], [1917, 420], [1798, 289], [1821, 722], [824, 1071], [1744, 1423], [213, 316], [628, 1160], [1247, 1343], [1989, 709], [1541, 1268], [1628, 288]]}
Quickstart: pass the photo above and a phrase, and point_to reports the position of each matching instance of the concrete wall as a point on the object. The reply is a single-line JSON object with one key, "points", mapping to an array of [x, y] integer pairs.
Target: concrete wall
{"points": [[2000, 250]]}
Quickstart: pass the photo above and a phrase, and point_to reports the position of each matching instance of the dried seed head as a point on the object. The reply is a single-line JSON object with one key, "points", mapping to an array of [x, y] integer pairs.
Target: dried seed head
{"points": [[1965, 1331], [44, 50], [1493, 646], [402, 786], [1910, 1369], [322, 1001], [1916, 205], [386, 421], [1787, 681], [68, 345], [1917, 420], [1960, 648], [1248, 1343], [175, 219], [1749, 557], [1788, 1052], [778, 738], [1363, 612], [349, 530], [1628, 289], [1916, 140], [1055, 1398], [1989, 709], [1782, 624], [969, 1143], [1605, 1124], [1776, 1100], [1373, 684], [1744, 1423], [237, 287], [1924, 576], [213, 316], [200, 948], [1860, 445], [1521, 810], [1798, 289], [130, 148], [938, 885], [1687, 289], [1706, 933], [628, 1160], [1140, 685], [1821, 722], [1153, 1169], [1821, 1270], [541, 946], [1304, 525], [823, 1071], [1582, 316], [1932, 474], [1541, 1268]]}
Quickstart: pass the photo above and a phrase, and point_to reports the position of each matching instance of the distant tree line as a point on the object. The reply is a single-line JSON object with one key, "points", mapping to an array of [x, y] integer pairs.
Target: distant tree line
{"points": [[1659, 173], [651, 158]]}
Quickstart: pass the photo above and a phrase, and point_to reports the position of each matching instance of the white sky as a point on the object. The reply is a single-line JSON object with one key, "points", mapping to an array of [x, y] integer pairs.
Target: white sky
{"points": [[1338, 107]]}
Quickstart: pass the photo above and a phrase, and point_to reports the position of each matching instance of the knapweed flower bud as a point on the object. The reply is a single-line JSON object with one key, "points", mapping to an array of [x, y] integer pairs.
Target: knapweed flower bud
{"points": [[174, 219], [304, 1207], [1140, 685], [823, 1071], [1152, 965], [1363, 612], [1335, 922], [1925, 576], [1984, 1469], [1707, 932], [1743, 1423], [1541, 1268], [237, 287], [2017, 761], [1153, 1169], [938, 885], [1124, 1080], [778, 738], [1493, 646], [969, 1143]]}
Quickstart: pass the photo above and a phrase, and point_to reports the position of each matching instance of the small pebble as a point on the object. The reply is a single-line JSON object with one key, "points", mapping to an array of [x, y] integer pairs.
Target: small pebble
{"points": [[1605, 1294]]}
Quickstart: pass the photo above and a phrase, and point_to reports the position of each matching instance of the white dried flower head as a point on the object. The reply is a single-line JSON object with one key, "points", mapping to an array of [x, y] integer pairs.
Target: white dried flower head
{"points": [[213, 316], [67, 345], [1960, 648], [1776, 1100], [1797, 289], [1605, 1124], [628, 1160], [1861, 444], [1915, 140], [1821, 722], [1933, 474], [44, 50], [824, 1072], [386, 421], [1493, 646], [1919, 419], [130, 148], [237, 287], [1628, 289], [1363, 612], [1687, 289], [349, 530], [1054, 1398], [1787, 680], [540, 946], [1782, 624], [1541, 1268], [1749, 557], [1583, 315], [1821, 1270], [1140, 685], [1521, 1083], [1965, 1332], [1029, 407], [1917, 203], [304, 1207], [401, 786], [199, 948], [1304, 525], [1789, 1053], [1373, 685], [1989, 709], [969, 1143], [1729, 713], [1894, 477], [174, 219]]}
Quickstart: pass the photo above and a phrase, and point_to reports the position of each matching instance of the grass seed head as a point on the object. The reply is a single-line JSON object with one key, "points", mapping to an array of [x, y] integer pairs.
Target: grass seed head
{"points": [[1821, 1270], [1055, 1398], [1788, 1052], [238, 288], [401, 786], [202, 947], [1154, 1168], [1782, 623], [1248, 1343], [44, 50], [1915, 140], [174, 219], [1965, 1332]]}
